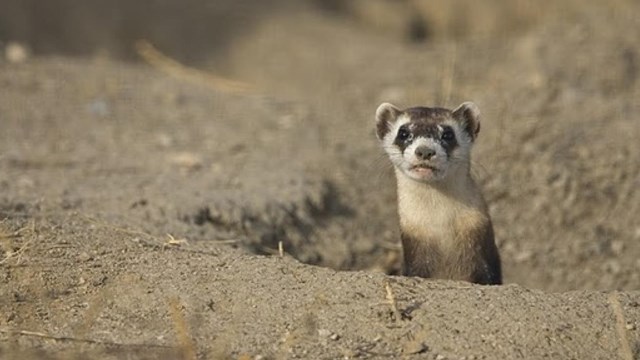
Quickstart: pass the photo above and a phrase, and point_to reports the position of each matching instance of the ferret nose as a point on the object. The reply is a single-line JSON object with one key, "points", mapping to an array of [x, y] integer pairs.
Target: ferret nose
{"points": [[425, 152]]}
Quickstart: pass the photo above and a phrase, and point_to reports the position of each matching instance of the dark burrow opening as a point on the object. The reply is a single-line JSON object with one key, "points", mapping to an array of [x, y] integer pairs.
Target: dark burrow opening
{"points": [[325, 232]]}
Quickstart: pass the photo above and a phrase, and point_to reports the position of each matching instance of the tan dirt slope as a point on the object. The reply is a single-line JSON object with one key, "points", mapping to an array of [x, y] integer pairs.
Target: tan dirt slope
{"points": [[141, 207]]}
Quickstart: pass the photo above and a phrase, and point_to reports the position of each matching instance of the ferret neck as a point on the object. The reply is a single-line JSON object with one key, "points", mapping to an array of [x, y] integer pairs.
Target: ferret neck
{"points": [[459, 188]]}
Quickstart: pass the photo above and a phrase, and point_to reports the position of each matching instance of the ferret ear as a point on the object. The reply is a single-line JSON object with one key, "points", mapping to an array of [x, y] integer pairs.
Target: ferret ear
{"points": [[386, 115], [468, 116]]}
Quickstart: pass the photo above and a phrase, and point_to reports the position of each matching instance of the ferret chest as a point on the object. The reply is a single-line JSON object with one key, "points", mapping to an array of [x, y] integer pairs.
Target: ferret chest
{"points": [[429, 221]]}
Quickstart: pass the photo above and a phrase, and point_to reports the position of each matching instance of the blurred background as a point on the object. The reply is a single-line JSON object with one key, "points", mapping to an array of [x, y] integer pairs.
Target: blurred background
{"points": [[196, 31], [557, 82]]}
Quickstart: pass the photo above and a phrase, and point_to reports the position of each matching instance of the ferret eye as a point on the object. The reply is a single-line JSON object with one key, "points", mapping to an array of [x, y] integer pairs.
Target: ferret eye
{"points": [[403, 134], [448, 134]]}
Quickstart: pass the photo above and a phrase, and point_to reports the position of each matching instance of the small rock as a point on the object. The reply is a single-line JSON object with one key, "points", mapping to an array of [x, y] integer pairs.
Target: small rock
{"points": [[415, 347], [630, 326], [441, 357], [99, 281], [324, 333], [164, 140], [16, 52], [84, 256], [186, 160], [523, 256], [17, 297], [617, 247]]}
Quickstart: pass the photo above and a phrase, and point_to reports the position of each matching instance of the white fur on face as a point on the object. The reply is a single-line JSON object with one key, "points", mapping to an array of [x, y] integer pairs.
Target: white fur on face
{"points": [[438, 162], [439, 166], [395, 155], [464, 140], [390, 137]]}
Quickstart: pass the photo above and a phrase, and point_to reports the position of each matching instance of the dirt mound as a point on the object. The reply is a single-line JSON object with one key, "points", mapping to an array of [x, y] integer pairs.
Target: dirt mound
{"points": [[142, 207]]}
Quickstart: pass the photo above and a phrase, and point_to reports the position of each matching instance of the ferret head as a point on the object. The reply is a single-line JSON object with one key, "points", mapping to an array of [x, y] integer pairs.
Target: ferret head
{"points": [[428, 144]]}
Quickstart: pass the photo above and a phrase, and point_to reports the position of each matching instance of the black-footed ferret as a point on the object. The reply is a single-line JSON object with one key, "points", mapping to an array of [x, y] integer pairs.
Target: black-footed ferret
{"points": [[445, 226]]}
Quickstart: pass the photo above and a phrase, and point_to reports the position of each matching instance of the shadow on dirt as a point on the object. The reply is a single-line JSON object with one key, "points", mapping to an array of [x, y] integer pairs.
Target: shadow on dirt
{"points": [[297, 225]]}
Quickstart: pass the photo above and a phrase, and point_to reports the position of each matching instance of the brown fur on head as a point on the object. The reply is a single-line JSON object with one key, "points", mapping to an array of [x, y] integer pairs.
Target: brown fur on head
{"points": [[468, 115], [426, 143]]}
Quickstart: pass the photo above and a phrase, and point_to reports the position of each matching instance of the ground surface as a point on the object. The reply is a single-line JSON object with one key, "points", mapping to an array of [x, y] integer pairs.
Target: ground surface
{"points": [[141, 206]]}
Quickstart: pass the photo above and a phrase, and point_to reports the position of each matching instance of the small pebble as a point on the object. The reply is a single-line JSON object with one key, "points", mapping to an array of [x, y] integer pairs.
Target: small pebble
{"points": [[617, 247], [84, 256], [415, 347], [630, 326], [523, 256], [187, 160], [164, 140], [16, 52]]}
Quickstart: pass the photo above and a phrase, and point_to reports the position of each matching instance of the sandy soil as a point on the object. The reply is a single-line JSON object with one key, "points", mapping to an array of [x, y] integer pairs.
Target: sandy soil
{"points": [[141, 206]]}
